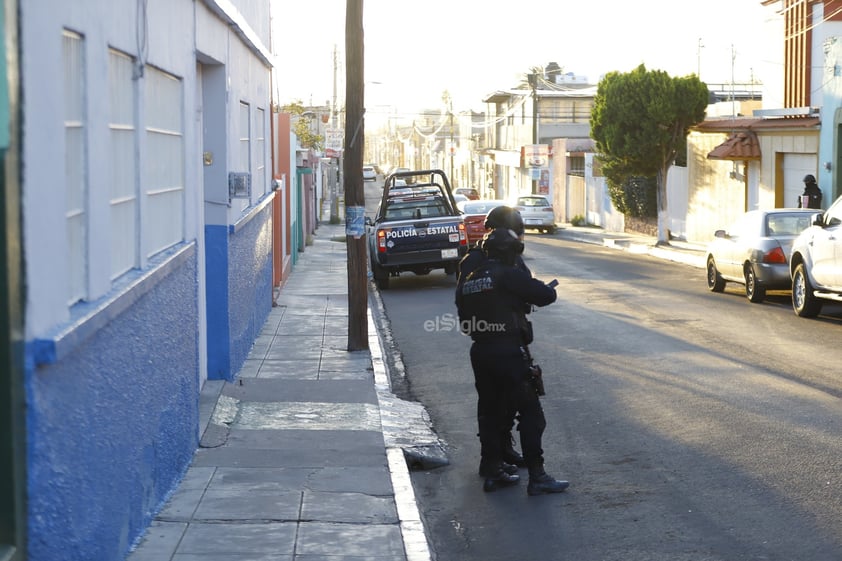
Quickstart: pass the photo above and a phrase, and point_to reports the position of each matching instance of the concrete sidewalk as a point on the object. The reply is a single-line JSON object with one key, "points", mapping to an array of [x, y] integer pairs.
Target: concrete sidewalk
{"points": [[302, 457], [678, 250], [293, 464]]}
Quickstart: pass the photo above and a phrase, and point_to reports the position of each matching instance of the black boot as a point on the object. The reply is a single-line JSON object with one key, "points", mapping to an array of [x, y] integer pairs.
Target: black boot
{"points": [[510, 455], [540, 482], [498, 481], [496, 477], [508, 468]]}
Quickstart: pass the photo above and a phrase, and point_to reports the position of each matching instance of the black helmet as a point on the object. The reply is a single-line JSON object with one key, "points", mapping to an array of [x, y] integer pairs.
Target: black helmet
{"points": [[809, 178], [503, 244], [504, 217]]}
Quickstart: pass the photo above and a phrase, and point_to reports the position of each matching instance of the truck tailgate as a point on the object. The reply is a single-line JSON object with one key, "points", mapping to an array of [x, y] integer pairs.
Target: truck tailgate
{"points": [[433, 240]]}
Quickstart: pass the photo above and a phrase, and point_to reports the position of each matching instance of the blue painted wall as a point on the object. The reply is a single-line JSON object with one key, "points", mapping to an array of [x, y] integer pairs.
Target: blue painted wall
{"points": [[112, 424], [239, 290], [216, 273]]}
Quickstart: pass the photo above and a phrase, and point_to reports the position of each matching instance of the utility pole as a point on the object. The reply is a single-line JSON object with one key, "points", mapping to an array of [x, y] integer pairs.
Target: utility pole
{"points": [[733, 98], [533, 81], [355, 238], [699, 59], [335, 161]]}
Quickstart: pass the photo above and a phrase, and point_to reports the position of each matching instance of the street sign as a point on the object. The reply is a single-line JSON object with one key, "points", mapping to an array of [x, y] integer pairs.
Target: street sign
{"points": [[334, 139], [535, 155]]}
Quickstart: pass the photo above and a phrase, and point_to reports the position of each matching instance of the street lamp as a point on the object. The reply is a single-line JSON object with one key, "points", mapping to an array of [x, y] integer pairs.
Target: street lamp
{"points": [[448, 100], [452, 146]]}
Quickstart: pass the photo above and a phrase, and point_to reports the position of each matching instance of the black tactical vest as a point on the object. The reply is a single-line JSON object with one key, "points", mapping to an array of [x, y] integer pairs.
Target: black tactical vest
{"points": [[485, 311]]}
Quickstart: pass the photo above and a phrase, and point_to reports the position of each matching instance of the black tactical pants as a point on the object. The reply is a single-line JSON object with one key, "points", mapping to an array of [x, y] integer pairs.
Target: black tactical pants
{"points": [[502, 380]]}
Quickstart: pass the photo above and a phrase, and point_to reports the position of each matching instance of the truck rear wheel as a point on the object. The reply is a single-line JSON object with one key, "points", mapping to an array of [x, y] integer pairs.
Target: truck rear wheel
{"points": [[381, 276]]}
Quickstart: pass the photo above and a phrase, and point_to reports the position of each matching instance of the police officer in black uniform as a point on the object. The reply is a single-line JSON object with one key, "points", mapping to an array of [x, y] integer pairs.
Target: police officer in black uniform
{"points": [[498, 217], [812, 192], [491, 302]]}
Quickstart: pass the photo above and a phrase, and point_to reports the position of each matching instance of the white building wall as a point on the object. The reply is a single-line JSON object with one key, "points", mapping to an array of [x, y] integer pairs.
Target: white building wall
{"points": [[677, 201], [821, 31], [103, 24], [248, 81], [828, 175], [169, 40]]}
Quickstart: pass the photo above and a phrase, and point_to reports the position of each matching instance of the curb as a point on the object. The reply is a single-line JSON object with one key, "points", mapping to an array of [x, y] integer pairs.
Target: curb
{"points": [[412, 528], [693, 257]]}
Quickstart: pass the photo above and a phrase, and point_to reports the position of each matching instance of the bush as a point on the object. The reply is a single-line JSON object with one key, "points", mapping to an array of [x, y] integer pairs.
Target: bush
{"points": [[636, 196], [579, 220]]}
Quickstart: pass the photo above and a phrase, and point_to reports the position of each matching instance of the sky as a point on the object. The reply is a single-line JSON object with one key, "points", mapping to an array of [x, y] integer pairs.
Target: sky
{"points": [[416, 50]]}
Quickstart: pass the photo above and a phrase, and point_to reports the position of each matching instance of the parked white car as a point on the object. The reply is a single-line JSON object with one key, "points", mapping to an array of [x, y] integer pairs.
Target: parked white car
{"points": [[537, 213]]}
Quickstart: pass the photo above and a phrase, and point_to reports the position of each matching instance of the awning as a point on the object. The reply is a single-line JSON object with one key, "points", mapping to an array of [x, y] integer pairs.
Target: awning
{"points": [[739, 146]]}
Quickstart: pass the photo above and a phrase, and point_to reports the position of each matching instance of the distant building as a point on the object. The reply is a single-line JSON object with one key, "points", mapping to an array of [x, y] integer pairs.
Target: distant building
{"points": [[546, 106]]}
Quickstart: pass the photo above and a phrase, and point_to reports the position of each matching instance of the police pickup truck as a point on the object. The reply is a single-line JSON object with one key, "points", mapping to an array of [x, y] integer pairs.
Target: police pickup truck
{"points": [[417, 227]]}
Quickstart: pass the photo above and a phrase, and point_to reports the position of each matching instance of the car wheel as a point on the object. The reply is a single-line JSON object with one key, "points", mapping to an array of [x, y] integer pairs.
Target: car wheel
{"points": [[755, 292], [715, 281], [450, 268], [381, 276], [804, 302], [553, 229]]}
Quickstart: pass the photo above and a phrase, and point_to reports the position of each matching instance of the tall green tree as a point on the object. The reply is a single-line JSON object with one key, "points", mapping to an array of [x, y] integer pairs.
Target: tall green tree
{"points": [[639, 121]]}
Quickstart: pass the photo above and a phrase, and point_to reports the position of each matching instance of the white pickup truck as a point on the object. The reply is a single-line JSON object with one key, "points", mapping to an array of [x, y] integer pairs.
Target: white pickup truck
{"points": [[816, 263]]}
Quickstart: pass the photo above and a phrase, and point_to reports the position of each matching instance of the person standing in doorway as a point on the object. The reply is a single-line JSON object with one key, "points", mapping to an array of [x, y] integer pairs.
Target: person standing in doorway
{"points": [[812, 195]]}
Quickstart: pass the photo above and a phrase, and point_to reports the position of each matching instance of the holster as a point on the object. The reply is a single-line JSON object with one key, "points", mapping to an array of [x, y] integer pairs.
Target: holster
{"points": [[537, 379], [536, 375]]}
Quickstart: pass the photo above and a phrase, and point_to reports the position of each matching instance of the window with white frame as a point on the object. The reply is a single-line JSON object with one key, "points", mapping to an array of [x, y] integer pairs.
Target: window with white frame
{"points": [[163, 177], [75, 173], [245, 138], [122, 164], [260, 146]]}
